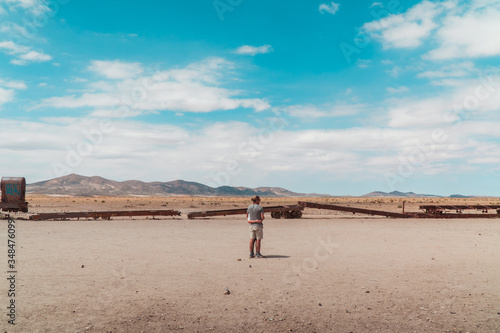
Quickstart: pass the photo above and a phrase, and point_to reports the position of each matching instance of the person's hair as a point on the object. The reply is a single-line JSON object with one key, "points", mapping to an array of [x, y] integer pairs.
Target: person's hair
{"points": [[255, 199]]}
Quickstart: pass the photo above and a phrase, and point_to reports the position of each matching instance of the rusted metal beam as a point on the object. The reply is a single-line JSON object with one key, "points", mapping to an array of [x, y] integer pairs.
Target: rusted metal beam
{"points": [[14, 206], [351, 209], [103, 214], [459, 208], [451, 216], [429, 214], [238, 211]]}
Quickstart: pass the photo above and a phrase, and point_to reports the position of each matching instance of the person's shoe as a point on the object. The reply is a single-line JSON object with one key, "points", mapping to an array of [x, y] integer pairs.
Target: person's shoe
{"points": [[258, 255], [252, 255]]}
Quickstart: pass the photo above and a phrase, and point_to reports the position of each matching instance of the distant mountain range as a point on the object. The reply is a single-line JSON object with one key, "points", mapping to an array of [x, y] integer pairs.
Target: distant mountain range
{"points": [[408, 195], [77, 185]]}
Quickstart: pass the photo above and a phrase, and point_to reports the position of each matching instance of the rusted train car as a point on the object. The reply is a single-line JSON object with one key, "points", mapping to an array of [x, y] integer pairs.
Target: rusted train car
{"points": [[13, 194]]}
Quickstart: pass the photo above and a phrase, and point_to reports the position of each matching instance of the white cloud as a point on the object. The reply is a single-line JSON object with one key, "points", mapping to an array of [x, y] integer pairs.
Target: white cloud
{"points": [[12, 84], [466, 101], [450, 75], [137, 150], [331, 8], [23, 54], [461, 29], [406, 30], [79, 79], [253, 50], [35, 56], [363, 63], [377, 4], [145, 151], [429, 112], [450, 71], [6, 95], [397, 90], [15, 29], [36, 7], [309, 111], [116, 113], [116, 69], [394, 71], [195, 88], [18, 62], [116, 36], [473, 33], [10, 47]]}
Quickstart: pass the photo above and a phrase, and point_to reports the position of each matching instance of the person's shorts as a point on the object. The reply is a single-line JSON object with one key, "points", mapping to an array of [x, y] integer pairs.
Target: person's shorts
{"points": [[256, 231]]}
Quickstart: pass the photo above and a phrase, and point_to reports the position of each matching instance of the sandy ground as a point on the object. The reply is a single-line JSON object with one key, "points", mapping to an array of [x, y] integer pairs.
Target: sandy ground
{"points": [[327, 272]]}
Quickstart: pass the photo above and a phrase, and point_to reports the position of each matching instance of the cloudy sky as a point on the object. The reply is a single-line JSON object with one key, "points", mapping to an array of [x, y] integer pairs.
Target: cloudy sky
{"points": [[339, 97]]}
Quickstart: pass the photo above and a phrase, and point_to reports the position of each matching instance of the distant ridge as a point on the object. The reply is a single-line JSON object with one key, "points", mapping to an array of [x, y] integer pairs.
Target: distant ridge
{"points": [[378, 194], [76, 185]]}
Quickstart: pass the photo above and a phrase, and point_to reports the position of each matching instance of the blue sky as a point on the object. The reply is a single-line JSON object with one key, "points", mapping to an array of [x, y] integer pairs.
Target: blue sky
{"points": [[341, 97]]}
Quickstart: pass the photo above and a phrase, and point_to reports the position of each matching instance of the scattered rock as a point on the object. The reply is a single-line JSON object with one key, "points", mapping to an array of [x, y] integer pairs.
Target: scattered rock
{"points": [[453, 312], [83, 266], [227, 292], [239, 259], [320, 304], [367, 292], [250, 266]]}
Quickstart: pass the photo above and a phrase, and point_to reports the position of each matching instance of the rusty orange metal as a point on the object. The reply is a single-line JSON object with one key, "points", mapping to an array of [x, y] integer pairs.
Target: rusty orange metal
{"points": [[430, 211], [13, 194], [287, 211], [105, 215]]}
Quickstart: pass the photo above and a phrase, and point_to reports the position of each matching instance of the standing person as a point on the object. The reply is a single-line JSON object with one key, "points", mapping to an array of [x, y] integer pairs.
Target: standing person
{"points": [[255, 215]]}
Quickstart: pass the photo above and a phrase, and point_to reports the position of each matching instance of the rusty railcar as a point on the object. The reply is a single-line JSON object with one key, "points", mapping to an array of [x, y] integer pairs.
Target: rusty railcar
{"points": [[13, 194], [277, 212]]}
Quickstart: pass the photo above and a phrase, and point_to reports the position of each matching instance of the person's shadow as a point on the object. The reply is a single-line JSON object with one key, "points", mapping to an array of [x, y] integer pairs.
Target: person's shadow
{"points": [[275, 256]]}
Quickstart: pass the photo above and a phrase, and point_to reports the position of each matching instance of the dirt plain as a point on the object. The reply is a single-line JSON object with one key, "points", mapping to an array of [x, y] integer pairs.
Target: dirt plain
{"points": [[326, 272]]}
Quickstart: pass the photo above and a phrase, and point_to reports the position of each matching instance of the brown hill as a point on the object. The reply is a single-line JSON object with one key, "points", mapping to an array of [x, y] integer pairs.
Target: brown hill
{"points": [[88, 186]]}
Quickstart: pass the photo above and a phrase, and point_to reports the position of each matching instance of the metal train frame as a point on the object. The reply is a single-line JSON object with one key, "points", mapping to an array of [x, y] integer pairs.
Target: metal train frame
{"points": [[13, 194], [13, 199]]}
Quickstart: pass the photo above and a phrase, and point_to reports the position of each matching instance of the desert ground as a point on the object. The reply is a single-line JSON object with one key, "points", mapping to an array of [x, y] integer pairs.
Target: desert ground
{"points": [[327, 272]]}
